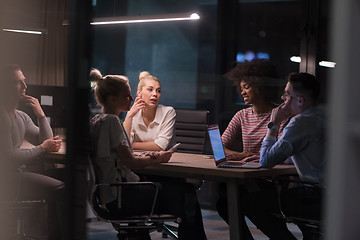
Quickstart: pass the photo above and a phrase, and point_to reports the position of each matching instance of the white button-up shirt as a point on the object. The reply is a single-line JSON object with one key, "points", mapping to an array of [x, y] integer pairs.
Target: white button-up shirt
{"points": [[160, 130]]}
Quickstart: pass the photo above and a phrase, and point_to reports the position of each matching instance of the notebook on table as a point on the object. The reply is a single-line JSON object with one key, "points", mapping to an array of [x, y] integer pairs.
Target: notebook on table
{"points": [[219, 153]]}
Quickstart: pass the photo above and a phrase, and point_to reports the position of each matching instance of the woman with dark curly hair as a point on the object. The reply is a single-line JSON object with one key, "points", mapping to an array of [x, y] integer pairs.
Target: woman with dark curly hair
{"points": [[258, 84]]}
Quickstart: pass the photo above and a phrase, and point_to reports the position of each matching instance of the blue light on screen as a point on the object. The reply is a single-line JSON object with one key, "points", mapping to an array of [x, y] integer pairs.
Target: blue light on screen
{"points": [[216, 143], [250, 55], [263, 55], [240, 57]]}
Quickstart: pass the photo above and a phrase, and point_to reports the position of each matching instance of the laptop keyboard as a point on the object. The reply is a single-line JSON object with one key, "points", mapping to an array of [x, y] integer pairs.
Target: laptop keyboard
{"points": [[237, 164]]}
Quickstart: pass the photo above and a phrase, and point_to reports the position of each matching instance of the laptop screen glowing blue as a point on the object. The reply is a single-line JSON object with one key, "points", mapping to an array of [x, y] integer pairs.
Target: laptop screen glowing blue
{"points": [[216, 143]]}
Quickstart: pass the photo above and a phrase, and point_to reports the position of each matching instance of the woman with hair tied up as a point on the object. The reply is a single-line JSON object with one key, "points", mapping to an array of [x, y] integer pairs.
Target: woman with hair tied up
{"points": [[149, 124], [113, 158]]}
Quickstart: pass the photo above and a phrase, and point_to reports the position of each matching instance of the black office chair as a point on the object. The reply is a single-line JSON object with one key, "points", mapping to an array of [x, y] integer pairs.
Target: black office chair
{"points": [[14, 210], [130, 227], [301, 203], [191, 130]]}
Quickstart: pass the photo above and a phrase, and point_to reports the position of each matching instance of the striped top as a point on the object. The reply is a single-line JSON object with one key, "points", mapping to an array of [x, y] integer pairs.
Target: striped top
{"points": [[253, 128]]}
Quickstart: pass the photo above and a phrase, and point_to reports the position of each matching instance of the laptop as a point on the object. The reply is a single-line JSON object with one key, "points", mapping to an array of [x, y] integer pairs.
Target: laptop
{"points": [[219, 153]]}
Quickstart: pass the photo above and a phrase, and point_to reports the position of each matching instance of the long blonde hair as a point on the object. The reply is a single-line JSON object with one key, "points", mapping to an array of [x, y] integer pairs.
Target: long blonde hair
{"points": [[143, 76], [109, 85]]}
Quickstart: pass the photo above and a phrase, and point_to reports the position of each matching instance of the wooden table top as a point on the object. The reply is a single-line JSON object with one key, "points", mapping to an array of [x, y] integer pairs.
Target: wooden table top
{"points": [[187, 165], [203, 166]]}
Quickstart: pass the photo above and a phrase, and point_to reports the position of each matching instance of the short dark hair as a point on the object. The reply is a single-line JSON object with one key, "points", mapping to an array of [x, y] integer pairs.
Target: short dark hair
{"points": [[258, 73], [7, 80], [305, 83], [7, 70], [12, 67]]}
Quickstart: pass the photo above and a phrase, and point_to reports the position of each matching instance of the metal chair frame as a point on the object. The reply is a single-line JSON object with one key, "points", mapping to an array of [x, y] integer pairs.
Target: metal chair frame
{"points": [[131, 224], [315, 224]]}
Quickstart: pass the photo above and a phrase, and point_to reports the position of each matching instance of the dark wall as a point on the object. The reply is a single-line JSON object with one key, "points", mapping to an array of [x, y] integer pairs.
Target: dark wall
{"points": [[56, 112]]}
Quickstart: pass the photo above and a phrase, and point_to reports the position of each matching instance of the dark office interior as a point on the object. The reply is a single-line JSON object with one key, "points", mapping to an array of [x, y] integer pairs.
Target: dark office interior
{"points": [[190, 58]]}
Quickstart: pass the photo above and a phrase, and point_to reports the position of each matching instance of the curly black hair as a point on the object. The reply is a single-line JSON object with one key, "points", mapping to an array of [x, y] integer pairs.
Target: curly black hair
{"points": [[260, 74]]}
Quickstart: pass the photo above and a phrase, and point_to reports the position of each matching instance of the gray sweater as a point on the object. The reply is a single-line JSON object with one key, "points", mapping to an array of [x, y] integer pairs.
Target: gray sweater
{"points": [[22, 128]]}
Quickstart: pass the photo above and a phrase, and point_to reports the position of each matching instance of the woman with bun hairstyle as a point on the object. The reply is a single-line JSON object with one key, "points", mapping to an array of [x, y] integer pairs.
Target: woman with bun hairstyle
{"points": [[113, 158], [149, 124]]}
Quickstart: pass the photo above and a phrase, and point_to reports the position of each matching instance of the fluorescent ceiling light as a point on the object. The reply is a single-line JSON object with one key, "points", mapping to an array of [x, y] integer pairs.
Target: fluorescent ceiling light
{"points": [[147, 18], [23, 31], [296, 59], [327, 64]]}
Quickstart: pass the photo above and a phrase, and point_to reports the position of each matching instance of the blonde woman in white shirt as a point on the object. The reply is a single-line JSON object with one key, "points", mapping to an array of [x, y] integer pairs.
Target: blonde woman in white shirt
{"points": [[149, 124]]}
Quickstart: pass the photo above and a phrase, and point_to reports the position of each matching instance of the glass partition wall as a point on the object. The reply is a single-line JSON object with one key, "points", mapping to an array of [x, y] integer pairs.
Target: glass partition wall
{"points": [[32, 35], [58, 47], [169, 50], [191, 57]]}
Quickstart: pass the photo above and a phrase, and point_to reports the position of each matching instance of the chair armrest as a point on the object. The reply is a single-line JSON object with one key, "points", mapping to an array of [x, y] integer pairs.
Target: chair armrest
{"points": [[299, 199], [287, 181]]}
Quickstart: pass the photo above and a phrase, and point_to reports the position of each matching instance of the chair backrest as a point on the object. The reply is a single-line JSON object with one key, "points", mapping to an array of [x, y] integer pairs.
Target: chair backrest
{"points": [[191, 130], [301, 202], [91, 176], [101, 212], [92, 198]]}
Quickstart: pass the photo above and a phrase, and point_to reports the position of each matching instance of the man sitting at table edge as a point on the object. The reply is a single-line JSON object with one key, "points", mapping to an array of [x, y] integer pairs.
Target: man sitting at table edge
{"points": [[303, 140]]}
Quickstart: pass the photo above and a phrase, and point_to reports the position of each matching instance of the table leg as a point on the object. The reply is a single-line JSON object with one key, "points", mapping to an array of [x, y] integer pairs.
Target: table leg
{"points": [[233, 208]]}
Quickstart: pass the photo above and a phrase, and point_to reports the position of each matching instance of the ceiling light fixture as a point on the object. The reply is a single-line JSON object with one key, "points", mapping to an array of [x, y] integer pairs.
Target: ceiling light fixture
{"points": [[327, 64], [23, 31], [296, 59], [146, 18]]}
